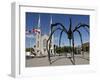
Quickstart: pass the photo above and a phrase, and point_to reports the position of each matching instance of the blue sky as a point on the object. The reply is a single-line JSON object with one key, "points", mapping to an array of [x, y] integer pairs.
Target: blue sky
{"points": [[32, 22]]}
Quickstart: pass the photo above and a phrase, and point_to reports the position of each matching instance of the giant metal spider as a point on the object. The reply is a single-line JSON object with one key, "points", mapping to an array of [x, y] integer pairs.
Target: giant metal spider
{"points": [[70, 35]]}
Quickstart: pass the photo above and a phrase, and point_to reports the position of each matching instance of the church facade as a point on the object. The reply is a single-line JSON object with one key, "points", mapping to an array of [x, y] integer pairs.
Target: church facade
{"points": [[41, 42]]}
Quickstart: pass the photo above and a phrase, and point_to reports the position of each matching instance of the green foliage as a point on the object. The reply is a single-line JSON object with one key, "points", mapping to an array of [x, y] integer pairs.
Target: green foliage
{"points": [[66, 49], [62, 49], [29, 49]]}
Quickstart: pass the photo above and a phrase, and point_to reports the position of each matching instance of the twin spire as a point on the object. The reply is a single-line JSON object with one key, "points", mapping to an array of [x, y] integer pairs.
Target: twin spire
{"points": [[40, 23], [50, 20]]}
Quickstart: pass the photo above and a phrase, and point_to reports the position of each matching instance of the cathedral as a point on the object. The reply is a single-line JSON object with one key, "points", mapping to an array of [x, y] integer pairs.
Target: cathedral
{"points": [[41, 41]]}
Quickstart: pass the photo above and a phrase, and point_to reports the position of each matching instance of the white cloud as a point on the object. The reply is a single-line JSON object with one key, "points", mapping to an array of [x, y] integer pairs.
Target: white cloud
{"points": [[30, 36]]}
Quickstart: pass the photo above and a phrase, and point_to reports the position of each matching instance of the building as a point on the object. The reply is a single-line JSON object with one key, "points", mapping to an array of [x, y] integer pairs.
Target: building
{"points": [[41, 41], [86, 46]]}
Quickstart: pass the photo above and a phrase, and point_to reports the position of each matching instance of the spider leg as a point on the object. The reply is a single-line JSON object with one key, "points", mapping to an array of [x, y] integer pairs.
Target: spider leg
{"points": [[48, 50], [53, 26], [77, 29], [49, 43], [60, 37], [56, 24], [73, 50], [81, 40], [70, 47], [86, 30], [80, 26]]}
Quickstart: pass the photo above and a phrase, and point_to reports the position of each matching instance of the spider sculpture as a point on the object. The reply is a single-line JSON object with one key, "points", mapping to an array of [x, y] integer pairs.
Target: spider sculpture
{"points": [[69, 34]]}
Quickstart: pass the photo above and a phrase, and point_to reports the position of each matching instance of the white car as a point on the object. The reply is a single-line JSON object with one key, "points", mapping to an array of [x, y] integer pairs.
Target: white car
{"points": [[28, 54]]}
